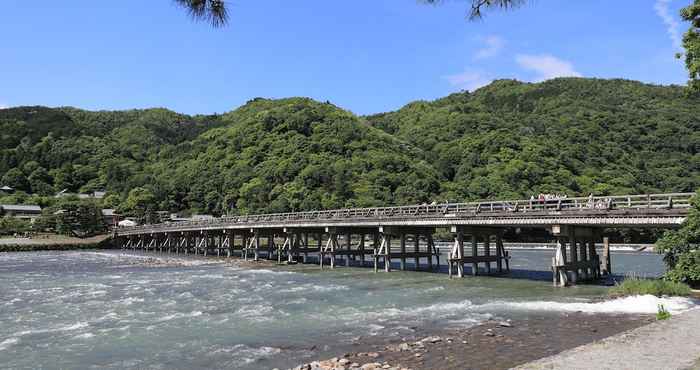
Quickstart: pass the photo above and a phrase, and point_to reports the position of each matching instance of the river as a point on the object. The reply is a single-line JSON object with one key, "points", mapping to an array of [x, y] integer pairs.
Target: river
{"points": [[107, 310]]}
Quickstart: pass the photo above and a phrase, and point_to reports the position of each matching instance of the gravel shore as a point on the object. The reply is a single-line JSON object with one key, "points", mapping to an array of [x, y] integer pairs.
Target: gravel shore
{"points": [[493, 345], [671, 344]]}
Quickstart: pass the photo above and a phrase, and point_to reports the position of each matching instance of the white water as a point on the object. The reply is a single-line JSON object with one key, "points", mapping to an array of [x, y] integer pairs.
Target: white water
{"points": [[641, 304], [108, 310]]}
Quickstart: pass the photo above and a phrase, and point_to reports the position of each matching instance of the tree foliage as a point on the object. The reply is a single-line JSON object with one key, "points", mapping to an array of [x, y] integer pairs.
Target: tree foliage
{"points": [[212, 11], [681, 248], [479, 6], [691, 43], [71, 216], [12, 225], [508, 139], [567, 135]]}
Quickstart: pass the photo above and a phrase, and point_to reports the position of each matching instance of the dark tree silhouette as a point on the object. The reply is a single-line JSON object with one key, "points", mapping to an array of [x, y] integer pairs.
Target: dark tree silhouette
{"points": [[211, 11], [478, 6]]}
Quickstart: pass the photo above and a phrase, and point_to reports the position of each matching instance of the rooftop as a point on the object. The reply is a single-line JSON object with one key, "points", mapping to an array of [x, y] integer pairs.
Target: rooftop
{"points": [[20, 207]]}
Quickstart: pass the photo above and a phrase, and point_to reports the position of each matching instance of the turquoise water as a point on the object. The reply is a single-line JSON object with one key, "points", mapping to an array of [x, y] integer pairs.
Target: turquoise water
{"points": [[66, 310]]}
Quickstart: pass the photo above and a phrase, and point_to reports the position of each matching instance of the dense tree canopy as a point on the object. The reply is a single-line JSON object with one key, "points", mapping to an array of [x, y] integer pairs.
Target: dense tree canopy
{"points": [[508, 139], [572, 135], [682, 248], [691, 43]]}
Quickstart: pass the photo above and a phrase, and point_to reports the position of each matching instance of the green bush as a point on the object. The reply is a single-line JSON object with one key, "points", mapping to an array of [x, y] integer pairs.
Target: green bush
{"points": [[681, 248], [663, 314], [687, 268], [633, 285], [11, 225]]}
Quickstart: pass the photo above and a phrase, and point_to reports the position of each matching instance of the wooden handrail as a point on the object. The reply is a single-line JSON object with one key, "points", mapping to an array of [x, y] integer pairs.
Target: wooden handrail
{"points": [[600, 203]]}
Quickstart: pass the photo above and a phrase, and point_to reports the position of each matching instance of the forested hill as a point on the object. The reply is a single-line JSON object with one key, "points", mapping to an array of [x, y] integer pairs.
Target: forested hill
{"points": [[573, 135], [508, 139]]}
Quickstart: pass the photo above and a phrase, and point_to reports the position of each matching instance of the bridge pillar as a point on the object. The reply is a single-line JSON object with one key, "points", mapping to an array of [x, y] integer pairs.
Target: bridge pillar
{"points": [[403, 251], [584, 263], [457, 258], [348, 248], [330, 247], [456, 254], [253, 244]]}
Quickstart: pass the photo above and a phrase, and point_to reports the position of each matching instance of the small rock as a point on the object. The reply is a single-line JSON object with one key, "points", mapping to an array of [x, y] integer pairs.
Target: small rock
{"points": [[404, 347], [343, 361], [432, 339], [354, 365], [489, 334], [386, 366], [418, 355], [373, 354], [464, 342], [504, 324]]}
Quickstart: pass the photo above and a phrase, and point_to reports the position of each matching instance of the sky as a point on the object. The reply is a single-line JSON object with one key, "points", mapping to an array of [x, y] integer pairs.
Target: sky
{"points": [[367, 56]]}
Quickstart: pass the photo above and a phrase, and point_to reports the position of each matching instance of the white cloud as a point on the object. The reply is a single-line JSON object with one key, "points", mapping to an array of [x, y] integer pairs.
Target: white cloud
{"points": [[546, 66], [493, 46], [672, 25], [468, 80], [3, 105]]}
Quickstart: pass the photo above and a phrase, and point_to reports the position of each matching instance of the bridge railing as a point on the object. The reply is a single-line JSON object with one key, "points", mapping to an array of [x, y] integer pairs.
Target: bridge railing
{"points": [[426, 211]]}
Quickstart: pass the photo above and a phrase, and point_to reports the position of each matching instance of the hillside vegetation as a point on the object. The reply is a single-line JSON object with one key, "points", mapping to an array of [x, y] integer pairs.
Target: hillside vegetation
{"points": [[508, 139], [573, 135]]}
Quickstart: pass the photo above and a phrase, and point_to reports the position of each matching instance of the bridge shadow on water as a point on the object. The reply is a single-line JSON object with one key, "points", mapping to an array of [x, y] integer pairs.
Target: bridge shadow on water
{"points": [[517, 273], [514, 273]]}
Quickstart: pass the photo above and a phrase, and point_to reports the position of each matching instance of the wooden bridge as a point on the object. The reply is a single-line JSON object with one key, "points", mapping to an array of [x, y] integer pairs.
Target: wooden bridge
{"points": [[386, 234]]}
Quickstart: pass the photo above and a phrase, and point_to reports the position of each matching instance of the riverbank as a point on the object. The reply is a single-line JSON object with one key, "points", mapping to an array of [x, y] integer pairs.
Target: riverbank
{"points": [[53, 243], [493, 345], [670, 344]]}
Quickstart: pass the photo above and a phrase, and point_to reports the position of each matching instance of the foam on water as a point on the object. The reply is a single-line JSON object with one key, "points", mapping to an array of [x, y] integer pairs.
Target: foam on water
{"points": [[84, 336], [247, 354], [180, 315], [7, 343], [640, 304], [76, 326]]}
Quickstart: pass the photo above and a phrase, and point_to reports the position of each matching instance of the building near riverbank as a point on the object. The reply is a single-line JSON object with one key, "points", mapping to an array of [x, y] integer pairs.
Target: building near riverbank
{"points": [[23, 211]]}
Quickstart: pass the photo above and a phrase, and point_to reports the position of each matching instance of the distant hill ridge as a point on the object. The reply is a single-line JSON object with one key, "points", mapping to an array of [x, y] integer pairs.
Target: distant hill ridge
{"points": [[507, 139]]}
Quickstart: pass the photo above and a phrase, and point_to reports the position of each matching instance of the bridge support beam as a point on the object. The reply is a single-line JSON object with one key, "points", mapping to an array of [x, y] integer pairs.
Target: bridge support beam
{"points": [[457, 257], [576, 258], [383, 250]]}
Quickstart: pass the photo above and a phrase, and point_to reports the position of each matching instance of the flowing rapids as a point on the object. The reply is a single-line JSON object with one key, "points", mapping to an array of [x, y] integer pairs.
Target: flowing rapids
{"points": [[113, 310]]}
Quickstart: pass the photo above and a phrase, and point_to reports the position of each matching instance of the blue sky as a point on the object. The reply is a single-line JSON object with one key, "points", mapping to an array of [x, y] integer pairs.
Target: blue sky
{"points": [[367, 56]]}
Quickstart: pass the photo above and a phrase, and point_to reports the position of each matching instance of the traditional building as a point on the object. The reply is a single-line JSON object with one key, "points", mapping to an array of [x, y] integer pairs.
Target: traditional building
{"points": [[20, 211], [110, 217]]}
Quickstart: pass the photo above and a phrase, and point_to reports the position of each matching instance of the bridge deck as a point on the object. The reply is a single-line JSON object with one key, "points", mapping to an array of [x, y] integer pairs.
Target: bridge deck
{"points": [[663, 210], [372, 232]]}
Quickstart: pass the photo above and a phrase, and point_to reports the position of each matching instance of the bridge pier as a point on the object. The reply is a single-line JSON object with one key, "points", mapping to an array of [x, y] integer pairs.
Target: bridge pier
{"points": [[384, 251], [457, 257], [576, 258]]}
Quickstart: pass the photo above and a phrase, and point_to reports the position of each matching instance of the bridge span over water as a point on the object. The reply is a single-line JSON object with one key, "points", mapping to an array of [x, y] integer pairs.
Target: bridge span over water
{"points": [[386, 234]]}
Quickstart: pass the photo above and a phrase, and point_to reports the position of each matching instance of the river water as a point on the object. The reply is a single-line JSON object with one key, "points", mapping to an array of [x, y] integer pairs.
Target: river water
{"points": [[107, 310]]}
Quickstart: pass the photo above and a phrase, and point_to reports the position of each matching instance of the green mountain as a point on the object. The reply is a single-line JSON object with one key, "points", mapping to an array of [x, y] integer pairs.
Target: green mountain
{"points": [[572, 135], [508, 139]]}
